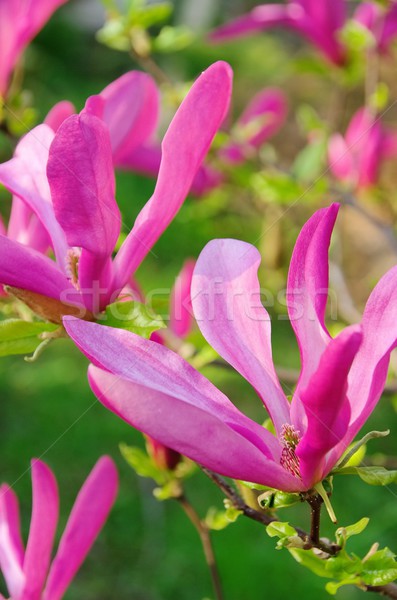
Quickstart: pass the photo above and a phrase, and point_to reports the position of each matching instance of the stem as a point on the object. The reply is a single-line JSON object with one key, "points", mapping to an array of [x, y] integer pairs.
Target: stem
{"points": [[315, 503], [389, 590], [205, 538]]}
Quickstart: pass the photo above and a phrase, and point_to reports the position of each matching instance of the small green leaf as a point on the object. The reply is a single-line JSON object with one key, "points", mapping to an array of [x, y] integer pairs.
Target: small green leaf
{"points": [[333, 586], [169, 490], [142, 464], [371, 475], [380, 568], [344, 533], [311, 160], [133, 316], [22, 337], [173, 39], [147, 16], [273, 499], [352, 451], [220, 519], [280, 529], [311, 561]]}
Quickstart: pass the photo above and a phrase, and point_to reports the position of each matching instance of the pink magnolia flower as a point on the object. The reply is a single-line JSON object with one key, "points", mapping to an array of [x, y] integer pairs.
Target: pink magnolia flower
{"points": [[20, 22], [341, 378], [357, 157], [30, 574], [319, 21], [67, 179]]}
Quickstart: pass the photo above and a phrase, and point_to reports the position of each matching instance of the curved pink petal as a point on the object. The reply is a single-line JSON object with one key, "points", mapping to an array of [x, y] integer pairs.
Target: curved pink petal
{"points": [[389, 31], [81, 178], [154, 366], [328, 15], [45, 510], [25, 176], [24, 268], [89, 513], [11, 547], [326, 405], [184, 147], [59, 113], [181, 312], [341, 160], [25, 227], [379, 324], [20, 21], [191, 430], [260, 18], [307, 290], [129, 107], [227, 306]]}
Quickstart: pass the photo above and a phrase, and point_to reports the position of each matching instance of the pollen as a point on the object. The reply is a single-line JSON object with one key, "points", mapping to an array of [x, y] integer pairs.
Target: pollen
{"points": [[72, 266], [290, 439]]}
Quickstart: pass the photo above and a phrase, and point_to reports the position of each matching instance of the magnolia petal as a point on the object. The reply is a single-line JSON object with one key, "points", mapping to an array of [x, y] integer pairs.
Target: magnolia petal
{"points": [[27, 269], [11, 547], [307, 290], [45, 510], [326, 405], [181, 312], [19, 23], [59, 113], [89, 513], [228, 310], [129, 107], [184, 147], [81, 178], [341, 160], [95, 281], [190, 430], [25, 227], [260, 18], [25, 176], [151, 365], [369, 371]]}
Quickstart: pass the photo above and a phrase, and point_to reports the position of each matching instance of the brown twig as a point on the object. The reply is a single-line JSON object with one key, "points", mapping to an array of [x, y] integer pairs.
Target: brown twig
{"points": [[206, 542], [389, 590]]}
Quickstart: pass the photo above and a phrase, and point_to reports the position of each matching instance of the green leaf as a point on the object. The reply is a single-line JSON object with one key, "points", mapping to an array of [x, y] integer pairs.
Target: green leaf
{"points": [[273, 499], [22, 337], [220, 519], [173, 39], [311, 160], [350, 456], [311, 561], [133, 316], [280, 529], [142, 464], [344, 533], [380, 568], [371, 475], [147, 16], [333, 586], [169, 490]]}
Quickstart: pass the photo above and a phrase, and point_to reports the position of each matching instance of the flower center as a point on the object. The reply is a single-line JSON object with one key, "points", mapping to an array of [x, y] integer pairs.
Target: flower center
{"points": [[72, 265], [290, 439]]}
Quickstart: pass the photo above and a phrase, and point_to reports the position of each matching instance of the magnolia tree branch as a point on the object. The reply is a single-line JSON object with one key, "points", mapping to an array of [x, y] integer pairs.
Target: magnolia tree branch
{"points": [[311, 540]]}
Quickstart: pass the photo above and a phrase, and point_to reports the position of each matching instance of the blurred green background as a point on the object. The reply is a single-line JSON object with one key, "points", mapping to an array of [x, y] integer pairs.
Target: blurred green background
{"points": [[148, 550]]}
